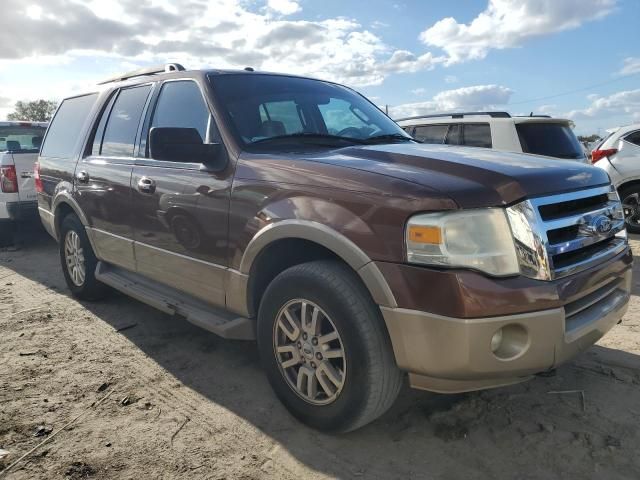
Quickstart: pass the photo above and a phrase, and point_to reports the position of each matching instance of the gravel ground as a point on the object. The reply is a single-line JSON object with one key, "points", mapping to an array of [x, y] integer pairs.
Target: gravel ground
{"points": [[178, 402]]}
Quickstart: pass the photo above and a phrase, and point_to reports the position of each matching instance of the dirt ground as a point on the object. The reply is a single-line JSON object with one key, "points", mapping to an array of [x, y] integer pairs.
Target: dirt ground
{"points": [[183, 403]]}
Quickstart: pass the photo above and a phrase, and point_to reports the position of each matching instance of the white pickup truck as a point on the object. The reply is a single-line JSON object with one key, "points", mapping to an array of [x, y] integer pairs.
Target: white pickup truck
{"points": [[19, 146]]}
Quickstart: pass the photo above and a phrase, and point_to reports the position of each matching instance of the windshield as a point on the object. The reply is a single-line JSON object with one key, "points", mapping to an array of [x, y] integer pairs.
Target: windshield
{"points": [[21, 138], [264, 109], [550, 139]]}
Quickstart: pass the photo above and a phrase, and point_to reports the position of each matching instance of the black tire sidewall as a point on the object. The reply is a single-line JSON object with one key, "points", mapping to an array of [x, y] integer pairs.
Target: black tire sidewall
{"points": [[353, 397], [624, 193]]}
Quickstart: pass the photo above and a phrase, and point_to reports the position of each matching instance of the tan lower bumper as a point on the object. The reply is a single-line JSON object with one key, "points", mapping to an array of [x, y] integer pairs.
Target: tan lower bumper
{"points": [[446, 354]]}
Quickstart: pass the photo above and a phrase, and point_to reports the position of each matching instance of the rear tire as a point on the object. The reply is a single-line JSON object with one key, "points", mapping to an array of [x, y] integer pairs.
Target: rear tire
{"points": [[630, 197], [347, 381], [79, 261]]}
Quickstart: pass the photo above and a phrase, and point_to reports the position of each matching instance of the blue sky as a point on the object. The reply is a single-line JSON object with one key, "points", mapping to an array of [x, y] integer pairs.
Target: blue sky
{"points": [[570, 58]]}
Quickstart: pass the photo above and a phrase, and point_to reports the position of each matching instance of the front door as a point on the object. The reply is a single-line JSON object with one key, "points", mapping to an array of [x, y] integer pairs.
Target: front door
{"points": [[103, 177], [181, 210]]}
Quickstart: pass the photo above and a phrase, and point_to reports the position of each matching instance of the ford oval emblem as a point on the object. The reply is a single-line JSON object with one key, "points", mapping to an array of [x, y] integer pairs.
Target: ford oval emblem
{"points": [[601, 224]]}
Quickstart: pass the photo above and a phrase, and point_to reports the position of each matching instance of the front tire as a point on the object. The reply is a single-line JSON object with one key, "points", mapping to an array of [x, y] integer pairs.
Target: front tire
{"points": [[325, 348], [79, 261]]}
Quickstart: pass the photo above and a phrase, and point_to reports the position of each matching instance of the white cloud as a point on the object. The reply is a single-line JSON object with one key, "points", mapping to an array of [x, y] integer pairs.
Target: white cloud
{"points": [[631, 66], [285, 7], [620, 103], [477, 98], [450, 79], [510, 23], [419, 91], [218, 33]]}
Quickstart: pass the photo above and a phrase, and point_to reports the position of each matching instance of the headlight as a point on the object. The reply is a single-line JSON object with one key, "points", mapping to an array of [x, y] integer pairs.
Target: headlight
{"points": [[479, 239]]}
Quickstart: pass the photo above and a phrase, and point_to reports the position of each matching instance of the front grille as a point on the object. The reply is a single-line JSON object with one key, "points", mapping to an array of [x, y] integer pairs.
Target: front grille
{"points": [[562, 234]]}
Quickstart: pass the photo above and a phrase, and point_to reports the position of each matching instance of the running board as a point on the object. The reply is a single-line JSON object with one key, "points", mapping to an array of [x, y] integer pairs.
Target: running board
{"points": [[173, 302]]}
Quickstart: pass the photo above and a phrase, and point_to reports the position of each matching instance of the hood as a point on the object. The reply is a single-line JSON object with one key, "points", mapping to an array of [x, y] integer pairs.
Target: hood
{"points": [[472, 177]]}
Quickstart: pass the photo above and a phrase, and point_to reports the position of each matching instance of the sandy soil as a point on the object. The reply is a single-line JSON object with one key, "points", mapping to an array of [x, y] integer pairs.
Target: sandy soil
{"points": [[185, 404]]}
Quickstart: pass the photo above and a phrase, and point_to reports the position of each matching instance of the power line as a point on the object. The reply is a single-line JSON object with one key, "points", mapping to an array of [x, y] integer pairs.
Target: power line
{"points": [[577, 90]]}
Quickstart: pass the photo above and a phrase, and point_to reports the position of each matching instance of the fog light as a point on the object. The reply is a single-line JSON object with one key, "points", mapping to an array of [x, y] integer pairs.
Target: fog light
{"points": [[496, 341]]}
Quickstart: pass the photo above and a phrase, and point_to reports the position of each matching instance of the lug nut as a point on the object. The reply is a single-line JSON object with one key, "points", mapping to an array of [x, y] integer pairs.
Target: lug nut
{"points": [[304, 336], [313, 364], [299, 345], [319, 356], [314, 340]]}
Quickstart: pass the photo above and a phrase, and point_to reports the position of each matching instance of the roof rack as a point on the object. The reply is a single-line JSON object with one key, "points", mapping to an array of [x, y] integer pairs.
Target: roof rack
{"points": [[167, 67], [459, 115]]}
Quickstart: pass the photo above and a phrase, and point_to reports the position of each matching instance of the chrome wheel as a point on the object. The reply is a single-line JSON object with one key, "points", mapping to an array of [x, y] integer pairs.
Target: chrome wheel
{"points": [[309, 351], [74, 257], [631, 207]]}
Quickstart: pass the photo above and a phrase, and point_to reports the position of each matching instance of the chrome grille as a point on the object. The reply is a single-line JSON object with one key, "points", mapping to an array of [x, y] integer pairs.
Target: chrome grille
{"points": [[562, 234]]}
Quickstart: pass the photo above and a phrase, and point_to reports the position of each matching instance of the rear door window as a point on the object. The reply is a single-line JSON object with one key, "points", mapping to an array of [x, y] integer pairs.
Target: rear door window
{"points": [[477, 135], [67, 124], [633, 138], [550, 139], [280, 118], [431, 133], [124, 119]]}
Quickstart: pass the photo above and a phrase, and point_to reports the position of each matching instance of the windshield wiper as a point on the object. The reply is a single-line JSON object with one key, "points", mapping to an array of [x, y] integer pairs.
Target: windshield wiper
{"points": [[308, 136], [388, 137]]}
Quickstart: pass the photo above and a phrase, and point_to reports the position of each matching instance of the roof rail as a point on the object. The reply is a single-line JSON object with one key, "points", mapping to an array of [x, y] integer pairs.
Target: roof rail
{"points": [[167, 67], [459, 115]]}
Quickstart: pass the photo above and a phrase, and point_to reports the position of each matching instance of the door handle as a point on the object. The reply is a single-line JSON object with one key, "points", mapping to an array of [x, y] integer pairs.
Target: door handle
{"points": [[146, 185], [83, 177]]}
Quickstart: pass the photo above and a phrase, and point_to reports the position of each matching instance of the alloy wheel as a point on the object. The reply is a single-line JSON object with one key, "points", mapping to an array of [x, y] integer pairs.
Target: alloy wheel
{"points": [[310, 352], [74, 258]]}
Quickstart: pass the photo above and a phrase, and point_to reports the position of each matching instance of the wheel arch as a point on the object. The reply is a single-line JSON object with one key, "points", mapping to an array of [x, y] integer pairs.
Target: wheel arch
{"points": [[296, 241], [63, 205]]}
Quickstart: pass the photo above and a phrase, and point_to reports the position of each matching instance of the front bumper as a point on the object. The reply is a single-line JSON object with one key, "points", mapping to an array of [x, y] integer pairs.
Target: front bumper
{"points": [[445, 354], [18, 210]]}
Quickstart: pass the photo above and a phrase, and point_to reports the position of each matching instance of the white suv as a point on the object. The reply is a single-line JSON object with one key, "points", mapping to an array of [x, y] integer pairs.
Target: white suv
{"points": [[540, 135], [619, 155], [19, 146]]}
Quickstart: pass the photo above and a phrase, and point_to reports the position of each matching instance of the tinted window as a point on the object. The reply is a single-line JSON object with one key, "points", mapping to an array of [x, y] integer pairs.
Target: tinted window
{"points": [[260, 107], [122, 126], [67, 126], [181, 105], [21, 138], [431, 133], [551, 139], [633, 138], [454, 134], [477, 135]]}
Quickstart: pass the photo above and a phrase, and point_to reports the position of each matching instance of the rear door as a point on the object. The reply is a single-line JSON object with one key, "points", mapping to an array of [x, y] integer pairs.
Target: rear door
{"points": [[181, 209], [627, 158], [103, 176]]}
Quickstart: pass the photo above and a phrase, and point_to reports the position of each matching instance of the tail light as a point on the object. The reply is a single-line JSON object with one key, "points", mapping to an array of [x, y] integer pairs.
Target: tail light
{"points": [[600, 154], [8, 179], [36, 178]]}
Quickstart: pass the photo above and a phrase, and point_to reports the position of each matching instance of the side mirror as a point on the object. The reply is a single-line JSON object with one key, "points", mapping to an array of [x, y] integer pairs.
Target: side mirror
{"points": [[185, 145]]}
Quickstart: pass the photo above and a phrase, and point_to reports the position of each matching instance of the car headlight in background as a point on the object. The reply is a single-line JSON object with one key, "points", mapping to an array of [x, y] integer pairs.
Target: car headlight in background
{"points": [[479, 239]]}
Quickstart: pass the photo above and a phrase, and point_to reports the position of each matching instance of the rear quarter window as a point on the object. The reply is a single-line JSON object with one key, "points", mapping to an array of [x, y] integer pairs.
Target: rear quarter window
{"points": [[633, 138], [477, 135], [550, 139], [66, 126]]}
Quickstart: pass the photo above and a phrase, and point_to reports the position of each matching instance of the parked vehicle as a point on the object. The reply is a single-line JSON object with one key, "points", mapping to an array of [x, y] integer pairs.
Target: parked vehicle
{"points": [[619, 155], [19, 146], [293, 211], [539, 134]]}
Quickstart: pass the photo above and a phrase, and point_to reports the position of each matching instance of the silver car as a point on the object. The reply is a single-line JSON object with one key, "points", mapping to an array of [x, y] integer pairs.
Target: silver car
{"points": [[619, 155]]}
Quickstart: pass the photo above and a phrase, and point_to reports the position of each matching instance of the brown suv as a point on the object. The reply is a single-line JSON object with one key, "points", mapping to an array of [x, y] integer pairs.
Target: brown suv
{"points": [[294, 211]]}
